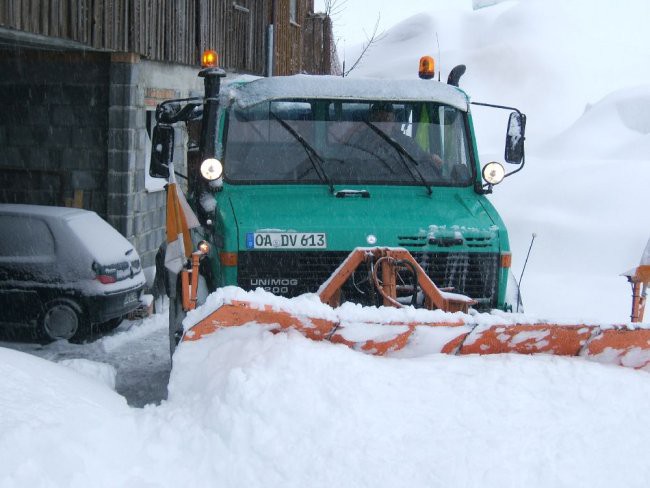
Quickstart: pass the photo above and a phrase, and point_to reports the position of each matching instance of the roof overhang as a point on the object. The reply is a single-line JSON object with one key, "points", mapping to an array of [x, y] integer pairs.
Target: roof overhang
{"points": [[17, 38]]}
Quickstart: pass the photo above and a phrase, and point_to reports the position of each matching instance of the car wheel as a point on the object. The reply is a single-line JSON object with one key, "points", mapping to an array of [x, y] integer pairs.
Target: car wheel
{"points": [[62, 319]]}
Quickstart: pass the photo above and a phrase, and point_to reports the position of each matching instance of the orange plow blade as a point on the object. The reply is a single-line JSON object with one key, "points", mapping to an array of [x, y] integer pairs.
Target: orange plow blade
{"points": [[457, 333], [241, 313], [444, 325], [528, 339], [622, 346]]}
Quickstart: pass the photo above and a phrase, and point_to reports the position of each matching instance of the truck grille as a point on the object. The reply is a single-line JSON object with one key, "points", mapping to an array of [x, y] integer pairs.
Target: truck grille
{"points": [[293, 273], [473, 274]]}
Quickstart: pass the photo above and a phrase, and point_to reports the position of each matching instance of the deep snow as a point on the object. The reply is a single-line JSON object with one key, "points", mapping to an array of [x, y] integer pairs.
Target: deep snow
{"points": [[248, 408], [133, 360]]}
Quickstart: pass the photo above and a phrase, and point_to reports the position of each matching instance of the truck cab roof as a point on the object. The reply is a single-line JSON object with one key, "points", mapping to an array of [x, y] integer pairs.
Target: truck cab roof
{"points": [[248, 94]]}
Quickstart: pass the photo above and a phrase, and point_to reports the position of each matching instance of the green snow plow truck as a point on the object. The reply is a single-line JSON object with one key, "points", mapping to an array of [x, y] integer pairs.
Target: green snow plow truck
{"points": [[287, 175]]}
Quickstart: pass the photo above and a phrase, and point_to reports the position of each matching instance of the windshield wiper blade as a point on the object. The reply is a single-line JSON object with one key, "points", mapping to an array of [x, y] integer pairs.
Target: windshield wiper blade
{"points": [[314, 157], [403, 153]]}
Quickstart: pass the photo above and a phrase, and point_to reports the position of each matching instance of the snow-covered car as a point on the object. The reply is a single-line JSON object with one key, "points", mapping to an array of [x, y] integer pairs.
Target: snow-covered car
{"points": [[63, 270]]}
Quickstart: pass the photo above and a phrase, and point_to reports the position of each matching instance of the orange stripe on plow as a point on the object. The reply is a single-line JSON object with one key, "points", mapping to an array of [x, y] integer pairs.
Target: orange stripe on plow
{"points": [[630, 348], [240, 313], [527, 339]]}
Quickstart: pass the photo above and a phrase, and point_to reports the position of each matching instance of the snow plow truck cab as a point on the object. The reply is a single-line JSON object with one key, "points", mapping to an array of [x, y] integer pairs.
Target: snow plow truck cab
{"points": [[288, 175]]}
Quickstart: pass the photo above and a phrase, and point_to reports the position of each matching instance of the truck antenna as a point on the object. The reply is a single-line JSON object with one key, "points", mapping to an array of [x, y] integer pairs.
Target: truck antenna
{"points": [[439, 58], [524, 269]]}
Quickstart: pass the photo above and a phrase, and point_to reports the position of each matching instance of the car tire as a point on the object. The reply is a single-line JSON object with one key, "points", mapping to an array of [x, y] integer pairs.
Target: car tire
{"points": [[62, 319]]}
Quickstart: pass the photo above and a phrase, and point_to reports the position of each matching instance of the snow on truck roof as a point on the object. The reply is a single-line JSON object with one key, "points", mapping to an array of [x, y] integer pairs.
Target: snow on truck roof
{"points": [[251, 93]]}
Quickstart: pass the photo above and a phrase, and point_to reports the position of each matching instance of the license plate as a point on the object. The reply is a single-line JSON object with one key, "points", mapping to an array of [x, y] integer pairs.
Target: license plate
{"points": [[130, 297], [286, 240]]}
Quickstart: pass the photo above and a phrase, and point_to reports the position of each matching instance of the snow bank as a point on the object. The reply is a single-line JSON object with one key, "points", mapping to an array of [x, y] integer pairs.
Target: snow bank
{"points": [[157, 322], [616, 127], [416, 422], [102, 372], [59, 428], [250, 408]]}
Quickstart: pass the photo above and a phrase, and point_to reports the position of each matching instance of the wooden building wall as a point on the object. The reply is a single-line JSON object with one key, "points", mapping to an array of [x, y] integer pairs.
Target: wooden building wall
{"points": [[288, 36], [177, 30], [318, 50]]}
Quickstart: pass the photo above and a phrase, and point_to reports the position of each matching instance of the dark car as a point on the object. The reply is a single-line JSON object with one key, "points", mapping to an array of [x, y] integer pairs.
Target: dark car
{"points": [[63, 269]]}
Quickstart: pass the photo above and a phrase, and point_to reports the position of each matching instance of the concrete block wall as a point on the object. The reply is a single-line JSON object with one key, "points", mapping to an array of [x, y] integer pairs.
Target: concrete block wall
{"points": [[53, 127], [136, 87]]}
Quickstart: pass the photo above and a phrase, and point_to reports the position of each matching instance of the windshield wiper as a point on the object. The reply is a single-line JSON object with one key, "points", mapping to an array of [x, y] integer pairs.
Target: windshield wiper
{"points": [[314, 157], [402, 152]]}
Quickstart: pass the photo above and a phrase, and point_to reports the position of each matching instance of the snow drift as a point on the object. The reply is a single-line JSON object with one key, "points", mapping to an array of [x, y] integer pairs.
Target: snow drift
{"points": [[249, 408]]}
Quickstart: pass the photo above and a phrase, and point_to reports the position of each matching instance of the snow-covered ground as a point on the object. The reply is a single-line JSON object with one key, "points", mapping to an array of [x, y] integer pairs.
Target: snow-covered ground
{"points": [[133, 360], [249, 408]]}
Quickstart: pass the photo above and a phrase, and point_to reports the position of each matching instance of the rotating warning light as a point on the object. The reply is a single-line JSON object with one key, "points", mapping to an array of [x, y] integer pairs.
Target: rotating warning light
{"points": [[210, 59], [427, 68]]}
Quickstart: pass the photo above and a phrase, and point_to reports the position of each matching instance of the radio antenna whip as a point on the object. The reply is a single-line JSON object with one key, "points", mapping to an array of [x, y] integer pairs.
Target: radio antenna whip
{"points": [[521, 276], [439, 63]]}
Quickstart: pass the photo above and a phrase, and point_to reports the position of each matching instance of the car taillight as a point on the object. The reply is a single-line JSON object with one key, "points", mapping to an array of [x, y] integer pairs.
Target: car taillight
{"points": [[104, 274], [106, 279]]}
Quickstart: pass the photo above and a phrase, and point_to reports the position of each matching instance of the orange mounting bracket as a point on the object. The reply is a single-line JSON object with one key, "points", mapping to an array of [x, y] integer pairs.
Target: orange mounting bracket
{"points": [[386, 258], [190, 283], [640, 280]]}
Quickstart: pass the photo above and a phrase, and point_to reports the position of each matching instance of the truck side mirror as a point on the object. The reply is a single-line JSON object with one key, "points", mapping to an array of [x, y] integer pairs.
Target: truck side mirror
{"points": [[162, 151], [515, 138]]}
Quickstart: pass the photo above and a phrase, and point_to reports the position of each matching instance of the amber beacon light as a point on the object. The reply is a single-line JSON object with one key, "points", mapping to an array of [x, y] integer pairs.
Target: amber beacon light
{"points": [[427, 68], [209, 59]]}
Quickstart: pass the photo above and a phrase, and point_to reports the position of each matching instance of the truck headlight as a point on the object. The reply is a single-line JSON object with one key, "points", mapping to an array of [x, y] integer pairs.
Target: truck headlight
{"points": [[204, 247], [493, 173], [211, 169]]}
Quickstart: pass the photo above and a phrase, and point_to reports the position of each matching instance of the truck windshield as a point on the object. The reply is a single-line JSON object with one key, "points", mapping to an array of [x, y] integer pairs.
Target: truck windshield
{"points": [[357, 143]]}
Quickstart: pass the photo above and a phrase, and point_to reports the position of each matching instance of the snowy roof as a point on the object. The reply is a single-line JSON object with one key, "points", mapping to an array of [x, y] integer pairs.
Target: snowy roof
{"points": [[338, 88]]}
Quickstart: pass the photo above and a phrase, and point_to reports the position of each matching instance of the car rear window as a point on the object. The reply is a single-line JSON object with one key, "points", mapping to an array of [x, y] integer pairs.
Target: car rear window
{"points": [[103, 242], [28, 236]]}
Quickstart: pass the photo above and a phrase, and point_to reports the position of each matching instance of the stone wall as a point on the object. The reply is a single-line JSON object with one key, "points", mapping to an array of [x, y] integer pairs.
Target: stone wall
{"points": [[136, 205]]}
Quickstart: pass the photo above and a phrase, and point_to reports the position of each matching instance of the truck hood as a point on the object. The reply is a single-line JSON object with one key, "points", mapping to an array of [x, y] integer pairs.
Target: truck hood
{"points": [[452, 218]]}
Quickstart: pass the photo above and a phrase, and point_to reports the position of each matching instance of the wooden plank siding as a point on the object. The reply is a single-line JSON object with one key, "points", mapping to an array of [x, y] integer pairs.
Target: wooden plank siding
{"points": [[178, 31]]}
